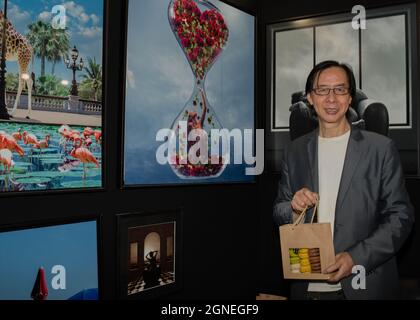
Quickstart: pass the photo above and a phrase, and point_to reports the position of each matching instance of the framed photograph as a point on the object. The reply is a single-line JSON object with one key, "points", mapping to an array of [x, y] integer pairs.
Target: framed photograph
{"points": [[51, 128], [150, 254], [50, 261], [296, 46], [382, 53], [189, 93]]}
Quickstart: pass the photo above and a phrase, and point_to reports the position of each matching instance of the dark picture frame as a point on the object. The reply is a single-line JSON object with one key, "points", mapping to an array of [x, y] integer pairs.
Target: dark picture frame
{"points": [[59, 225], [150, 253], [404, 132]]}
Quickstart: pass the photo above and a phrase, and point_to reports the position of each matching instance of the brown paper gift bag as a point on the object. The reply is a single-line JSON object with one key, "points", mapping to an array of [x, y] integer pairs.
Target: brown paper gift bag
{"points": [[306, 248]]}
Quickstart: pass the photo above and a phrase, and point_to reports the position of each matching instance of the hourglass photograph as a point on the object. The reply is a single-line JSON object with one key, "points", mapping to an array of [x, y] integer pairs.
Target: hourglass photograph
{"points": [[189, 93], [51, 108]]}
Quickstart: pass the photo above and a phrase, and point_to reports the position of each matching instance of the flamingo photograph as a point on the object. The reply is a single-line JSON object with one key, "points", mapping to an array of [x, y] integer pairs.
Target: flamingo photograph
{"points": [[53, 96], [40, 157]]}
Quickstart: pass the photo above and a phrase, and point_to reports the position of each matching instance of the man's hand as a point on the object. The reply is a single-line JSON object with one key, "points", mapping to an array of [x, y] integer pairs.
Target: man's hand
{"points": [[341, 268], [303, 198]]}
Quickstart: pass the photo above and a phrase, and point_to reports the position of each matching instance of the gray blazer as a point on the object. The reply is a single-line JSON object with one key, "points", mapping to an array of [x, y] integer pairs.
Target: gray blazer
{"points": [[373, 214]]}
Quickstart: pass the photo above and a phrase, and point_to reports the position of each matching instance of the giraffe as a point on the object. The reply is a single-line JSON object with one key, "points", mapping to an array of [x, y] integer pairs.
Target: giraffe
{"points": [[18, 49]]}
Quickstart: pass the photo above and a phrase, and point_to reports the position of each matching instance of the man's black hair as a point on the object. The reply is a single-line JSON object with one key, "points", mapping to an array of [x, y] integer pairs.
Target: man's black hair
{"points": [[316, 71]]}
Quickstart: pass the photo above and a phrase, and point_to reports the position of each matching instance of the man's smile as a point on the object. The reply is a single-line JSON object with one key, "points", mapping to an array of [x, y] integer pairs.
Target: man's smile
{"points": [[331, 111]]}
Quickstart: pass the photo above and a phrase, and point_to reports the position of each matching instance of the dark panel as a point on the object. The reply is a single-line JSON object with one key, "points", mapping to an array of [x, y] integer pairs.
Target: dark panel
{"points": [[249, 6], [409, 259], [271, 272]]}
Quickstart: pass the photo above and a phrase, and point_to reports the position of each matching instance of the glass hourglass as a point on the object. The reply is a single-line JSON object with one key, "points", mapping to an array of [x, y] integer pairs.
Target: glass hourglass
{"points": [[202, 34]]}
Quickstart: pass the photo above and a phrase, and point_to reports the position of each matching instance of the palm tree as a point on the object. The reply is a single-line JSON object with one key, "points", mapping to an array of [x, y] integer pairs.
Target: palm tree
{"points": [[38, 36], [57, 47], [48, 43], [93, 77]]}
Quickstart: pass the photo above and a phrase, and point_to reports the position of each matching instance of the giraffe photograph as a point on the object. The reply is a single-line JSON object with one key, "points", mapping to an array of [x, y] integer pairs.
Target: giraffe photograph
{"points": [[51, 128]]}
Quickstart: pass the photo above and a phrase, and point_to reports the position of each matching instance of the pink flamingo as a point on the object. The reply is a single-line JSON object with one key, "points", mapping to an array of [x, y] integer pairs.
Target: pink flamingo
{"points": [[43, 144], [8, 142], [65, 132], [88, 142], [74, 135], [63, 129], [17, 135], [6, 159], [29, 138], [88, 131], [82, 154], [98, 136], [68, 133]]}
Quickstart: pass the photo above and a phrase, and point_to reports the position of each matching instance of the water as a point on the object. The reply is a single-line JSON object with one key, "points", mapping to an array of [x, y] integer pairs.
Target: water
{"points": [[49, 168]]}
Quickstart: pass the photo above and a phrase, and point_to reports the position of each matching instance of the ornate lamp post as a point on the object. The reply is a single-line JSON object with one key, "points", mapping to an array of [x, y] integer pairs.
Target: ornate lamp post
{"points": [[3, 110], [75, 66]]}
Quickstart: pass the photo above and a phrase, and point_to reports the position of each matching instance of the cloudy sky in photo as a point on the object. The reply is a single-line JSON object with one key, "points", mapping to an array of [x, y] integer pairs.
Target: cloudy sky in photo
{"points": [[84, 24], [160, 82]]}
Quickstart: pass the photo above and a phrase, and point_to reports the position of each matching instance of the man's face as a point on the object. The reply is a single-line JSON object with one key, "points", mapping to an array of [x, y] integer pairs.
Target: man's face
{"points": [[331, 108]]}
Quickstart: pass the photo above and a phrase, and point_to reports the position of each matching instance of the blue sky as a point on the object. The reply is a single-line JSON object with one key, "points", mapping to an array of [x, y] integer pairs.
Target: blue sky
{"points": [[84, 23], [22, 252], [160, 82]]}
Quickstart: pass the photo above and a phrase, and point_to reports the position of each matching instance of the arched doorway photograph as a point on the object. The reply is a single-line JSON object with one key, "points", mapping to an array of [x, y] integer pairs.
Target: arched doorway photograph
{"points": [[149, 248]]}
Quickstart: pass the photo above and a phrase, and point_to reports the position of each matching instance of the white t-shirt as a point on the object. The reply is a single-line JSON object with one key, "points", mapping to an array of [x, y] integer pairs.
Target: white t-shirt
{"points": [[331, 155]]}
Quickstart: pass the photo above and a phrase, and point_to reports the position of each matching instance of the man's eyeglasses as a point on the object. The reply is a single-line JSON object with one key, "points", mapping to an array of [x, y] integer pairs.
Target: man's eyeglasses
{"points": [[341, 91]]}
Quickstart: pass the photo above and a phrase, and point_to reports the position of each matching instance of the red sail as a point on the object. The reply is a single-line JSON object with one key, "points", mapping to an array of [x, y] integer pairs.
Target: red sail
{"points": [[40, 289]]}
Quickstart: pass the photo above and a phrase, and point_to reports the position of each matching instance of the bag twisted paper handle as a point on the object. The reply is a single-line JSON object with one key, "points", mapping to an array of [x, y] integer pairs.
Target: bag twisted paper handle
{"points": [[302, 214]]}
